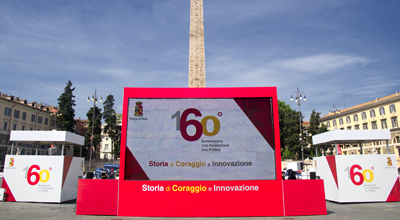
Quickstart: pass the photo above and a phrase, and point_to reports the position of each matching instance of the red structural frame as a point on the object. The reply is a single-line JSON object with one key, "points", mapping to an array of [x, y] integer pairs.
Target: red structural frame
{"points": [[189, 204]]}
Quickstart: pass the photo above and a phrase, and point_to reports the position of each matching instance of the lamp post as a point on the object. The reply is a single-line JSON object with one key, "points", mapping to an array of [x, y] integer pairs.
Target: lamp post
{"points": [[298, 96], [335, 111], [94, 99]]}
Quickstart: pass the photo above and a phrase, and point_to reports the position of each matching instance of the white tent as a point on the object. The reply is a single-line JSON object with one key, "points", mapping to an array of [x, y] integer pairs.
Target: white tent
{"points": [[47, 137], [351, 136]]}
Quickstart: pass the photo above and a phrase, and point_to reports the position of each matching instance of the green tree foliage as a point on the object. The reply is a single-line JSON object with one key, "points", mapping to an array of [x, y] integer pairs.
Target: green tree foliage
{"points": [[286, 154], [66, 112], [112, 128], [314, 129], [96, 129], [289, 129]]}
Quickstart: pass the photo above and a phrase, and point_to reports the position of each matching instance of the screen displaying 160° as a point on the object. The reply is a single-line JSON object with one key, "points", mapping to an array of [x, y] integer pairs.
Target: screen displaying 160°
{"points": [[200, 139]]}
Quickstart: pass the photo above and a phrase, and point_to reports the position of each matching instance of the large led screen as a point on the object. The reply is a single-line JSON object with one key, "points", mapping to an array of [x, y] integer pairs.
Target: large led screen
{"points": [[200, 139]]}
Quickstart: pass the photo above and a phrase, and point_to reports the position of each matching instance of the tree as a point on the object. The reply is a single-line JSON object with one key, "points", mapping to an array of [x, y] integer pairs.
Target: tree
{"points": [[289, 128], [66, 112], [315, 128], [96, 130], [112, 128]]}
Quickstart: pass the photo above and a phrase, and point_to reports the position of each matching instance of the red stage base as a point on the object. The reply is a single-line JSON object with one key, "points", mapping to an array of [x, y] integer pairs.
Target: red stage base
{"points": [[209, 199], [97, 197]]}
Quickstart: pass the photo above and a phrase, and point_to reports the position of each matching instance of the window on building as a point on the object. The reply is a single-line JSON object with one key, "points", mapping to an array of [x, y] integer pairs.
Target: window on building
{"points": [[23, 115], [328, 124], [5, 126], [16, 113], [106, 147], [365, 126], [392, 108], [341, 121], [372, 113], [382, 111], [383, 124], [106, 139], [40, 119], [53, 123], [334, 123], [46, 121], [348, 120], [341, 128], [31, 128], [394, 122], [23, 127], [374, 125], [364, 116], [356, 127], [14, 127], [33, 118], [349, 128], [7, 111], [355, 118], [396, 140]]}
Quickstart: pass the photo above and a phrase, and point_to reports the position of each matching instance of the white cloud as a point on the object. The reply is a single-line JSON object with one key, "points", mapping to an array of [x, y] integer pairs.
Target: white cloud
{"points": [[322, 63]]}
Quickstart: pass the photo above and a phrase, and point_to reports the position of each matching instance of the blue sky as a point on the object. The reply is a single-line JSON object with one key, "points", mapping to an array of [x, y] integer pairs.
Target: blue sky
{"points": [[337, 52]]}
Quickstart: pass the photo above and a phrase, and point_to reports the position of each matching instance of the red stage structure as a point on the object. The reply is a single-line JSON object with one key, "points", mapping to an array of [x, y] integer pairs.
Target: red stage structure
{"points": [[200, 152]]}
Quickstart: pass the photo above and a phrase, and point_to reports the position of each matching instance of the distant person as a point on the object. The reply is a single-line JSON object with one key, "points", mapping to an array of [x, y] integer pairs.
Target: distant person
{"points": [[298, 174], [291, 174], [112, 174]]}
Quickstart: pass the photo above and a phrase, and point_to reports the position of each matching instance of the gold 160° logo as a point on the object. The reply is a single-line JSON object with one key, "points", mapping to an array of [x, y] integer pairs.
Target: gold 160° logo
{"points": [[201, 127]]}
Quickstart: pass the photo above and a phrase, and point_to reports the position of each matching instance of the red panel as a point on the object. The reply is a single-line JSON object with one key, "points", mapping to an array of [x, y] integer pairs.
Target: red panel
{"points": [[133, 170], [67, 164], [332, 165], [394, 195], [9, 197], [258, 111], [304, 197], [136, 201], [97, 197]]}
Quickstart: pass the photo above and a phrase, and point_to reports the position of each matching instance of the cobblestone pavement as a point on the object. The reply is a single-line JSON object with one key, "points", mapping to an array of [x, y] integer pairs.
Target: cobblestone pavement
{"points": [[20, 211]]}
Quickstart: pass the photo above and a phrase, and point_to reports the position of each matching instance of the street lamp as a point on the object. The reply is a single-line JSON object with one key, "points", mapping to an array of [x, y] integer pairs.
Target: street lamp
{"points": [[298, 96], [94, 99], [335, 111]]}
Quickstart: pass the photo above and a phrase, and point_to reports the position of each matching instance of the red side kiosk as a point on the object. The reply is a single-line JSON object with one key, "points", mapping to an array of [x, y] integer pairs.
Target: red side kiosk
{"points": [[200, 152]]}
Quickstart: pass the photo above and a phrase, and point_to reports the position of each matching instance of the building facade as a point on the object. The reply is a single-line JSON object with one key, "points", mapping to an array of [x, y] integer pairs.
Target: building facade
{"points": [[105, 145], [381, 113], [18, 114]]}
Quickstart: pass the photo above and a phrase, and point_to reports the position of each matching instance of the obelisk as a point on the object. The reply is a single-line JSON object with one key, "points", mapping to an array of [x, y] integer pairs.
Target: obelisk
{"points": [[197, 74]]}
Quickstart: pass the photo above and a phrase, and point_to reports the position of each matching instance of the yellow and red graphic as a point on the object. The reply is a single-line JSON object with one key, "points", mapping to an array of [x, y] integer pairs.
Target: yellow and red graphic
{"points": [[389, 162], [201, 127], [11, 164], [358, 178], [42, 176], [139, 109]]}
